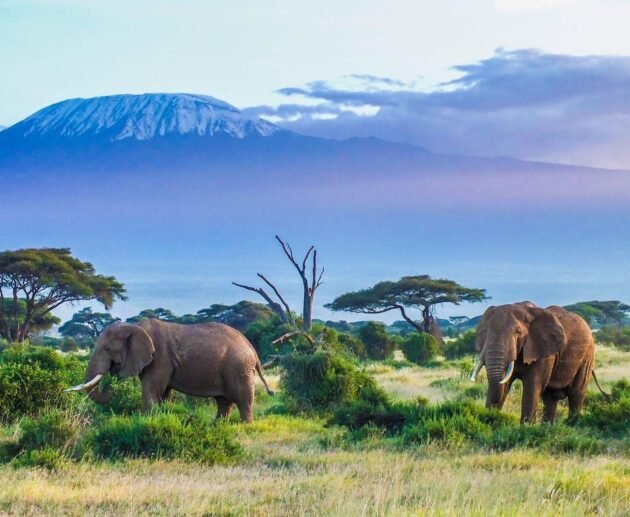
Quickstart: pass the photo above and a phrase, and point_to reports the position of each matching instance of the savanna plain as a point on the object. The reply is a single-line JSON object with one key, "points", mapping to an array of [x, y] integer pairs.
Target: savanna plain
{"points": [[289, 461]]}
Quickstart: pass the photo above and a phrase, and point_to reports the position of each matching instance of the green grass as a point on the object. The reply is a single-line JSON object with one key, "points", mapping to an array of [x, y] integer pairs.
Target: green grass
{"points": [[434, 458]]}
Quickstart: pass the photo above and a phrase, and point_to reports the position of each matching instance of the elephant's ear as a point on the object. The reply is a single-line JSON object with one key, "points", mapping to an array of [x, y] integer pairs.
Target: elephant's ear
{"points": [[139, 353], [482, 328], [545, 337]]}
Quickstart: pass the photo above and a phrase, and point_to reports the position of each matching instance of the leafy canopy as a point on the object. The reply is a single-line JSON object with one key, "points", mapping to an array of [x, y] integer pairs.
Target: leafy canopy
{"points": [[420, 291], [47, 278]]}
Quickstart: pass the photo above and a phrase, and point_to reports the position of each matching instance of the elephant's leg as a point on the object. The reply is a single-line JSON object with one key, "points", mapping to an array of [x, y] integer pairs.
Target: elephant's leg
{"points": [[153, 390], [224, 407], [245, 400], [550, 402], [577, 390], [535, 381]]}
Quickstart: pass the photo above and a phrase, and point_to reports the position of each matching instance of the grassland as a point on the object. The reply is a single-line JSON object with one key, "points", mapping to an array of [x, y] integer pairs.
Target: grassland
{"points": [[297, 465]]}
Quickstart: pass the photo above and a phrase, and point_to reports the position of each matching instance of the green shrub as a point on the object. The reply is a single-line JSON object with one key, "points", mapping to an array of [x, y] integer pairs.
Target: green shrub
{"points": [[27, 389], [398, 364], [33, 378], [613, 335], [610, 416], [556, 438], [463, 345], [263, 332], [165, 435], [55, 429], [353, 345], [461, 423], [47, 458], [323, 380], [378, 343], [420, 348], [44, 441], [126, 396]]}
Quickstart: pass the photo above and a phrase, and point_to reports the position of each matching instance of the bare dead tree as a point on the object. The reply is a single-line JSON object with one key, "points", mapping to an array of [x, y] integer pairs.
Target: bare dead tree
{"points": [[310, 286], [283, 311]]}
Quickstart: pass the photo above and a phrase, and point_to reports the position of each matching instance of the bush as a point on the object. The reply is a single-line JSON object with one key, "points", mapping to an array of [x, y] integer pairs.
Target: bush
{"points": [[612, 335], [27, 389], [263, 332], [461, 423], [353, 345], [165, 435], [463, 345], [324, 380], [126, 396], [611, 416], [33, 378], [378, 343], [46, 441], [420, 348]]}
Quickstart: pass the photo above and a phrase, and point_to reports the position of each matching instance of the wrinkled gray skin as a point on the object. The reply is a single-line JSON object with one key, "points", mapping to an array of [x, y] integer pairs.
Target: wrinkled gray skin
{"points": [[553, 351], [205, 360]]}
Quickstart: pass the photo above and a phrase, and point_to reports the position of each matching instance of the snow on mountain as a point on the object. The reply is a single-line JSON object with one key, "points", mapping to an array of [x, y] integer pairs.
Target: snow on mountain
{"points": [[143, 117]]}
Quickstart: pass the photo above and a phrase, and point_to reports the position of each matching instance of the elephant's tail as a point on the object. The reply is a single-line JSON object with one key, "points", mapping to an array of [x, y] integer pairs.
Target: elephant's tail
{"points": [[262, 378], [607, 395]]}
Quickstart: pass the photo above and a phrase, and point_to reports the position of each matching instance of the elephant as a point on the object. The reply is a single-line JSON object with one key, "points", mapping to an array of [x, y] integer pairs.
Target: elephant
{"points": [[550, 350], [204, 360]]}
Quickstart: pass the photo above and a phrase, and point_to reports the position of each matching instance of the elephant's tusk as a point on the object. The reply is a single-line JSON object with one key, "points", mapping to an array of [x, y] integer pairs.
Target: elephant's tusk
{"points": [[478, 368], [88, 384], [508, 374]]}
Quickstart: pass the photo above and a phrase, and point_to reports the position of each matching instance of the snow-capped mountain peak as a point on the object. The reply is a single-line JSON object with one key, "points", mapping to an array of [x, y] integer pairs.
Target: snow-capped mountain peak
{"points": [[143, 117]]}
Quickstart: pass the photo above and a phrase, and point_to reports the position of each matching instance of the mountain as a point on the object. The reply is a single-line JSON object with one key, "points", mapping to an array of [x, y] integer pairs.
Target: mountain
{"points": [[178, 195], [140, 117]]}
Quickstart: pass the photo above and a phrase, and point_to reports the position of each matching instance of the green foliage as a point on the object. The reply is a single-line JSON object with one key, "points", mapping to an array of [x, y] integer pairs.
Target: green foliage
{"points": [[126, 396], [189, 437], [462, 346], [240, 315], [353, 345], [46, 278], [609, 415], [420, 348], [600, 313], [39, 323], [462, 424], [262, 333], [324, 380], [33, 378], [416, 292], [44, 441], [85, 326], [611, 335], [378, 343]]}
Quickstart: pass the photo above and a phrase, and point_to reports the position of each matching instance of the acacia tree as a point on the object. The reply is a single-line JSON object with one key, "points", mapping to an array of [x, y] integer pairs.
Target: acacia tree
{"points": [[45, 279], [86, 325], [311, 277], [410, 292], [601, 312]]}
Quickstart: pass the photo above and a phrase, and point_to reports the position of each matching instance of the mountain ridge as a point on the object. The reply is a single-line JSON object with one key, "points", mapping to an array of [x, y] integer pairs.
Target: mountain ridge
{"points": [[141, 117]]}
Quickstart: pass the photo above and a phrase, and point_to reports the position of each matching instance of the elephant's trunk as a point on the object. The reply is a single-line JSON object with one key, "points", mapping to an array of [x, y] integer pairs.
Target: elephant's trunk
{"points": [[495, 370], [95, 393]]}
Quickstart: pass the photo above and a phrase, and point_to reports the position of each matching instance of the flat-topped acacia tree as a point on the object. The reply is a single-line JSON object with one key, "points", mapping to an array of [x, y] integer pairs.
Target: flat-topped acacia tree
{"points": [[44, 279], [410, 292]]}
